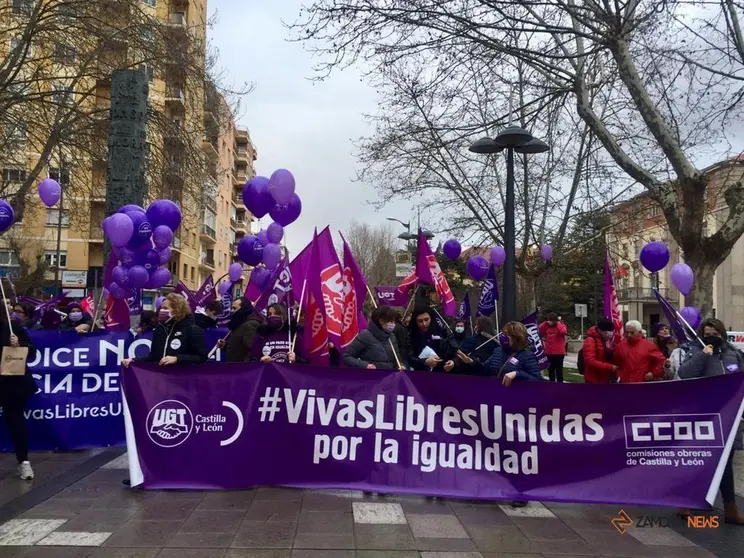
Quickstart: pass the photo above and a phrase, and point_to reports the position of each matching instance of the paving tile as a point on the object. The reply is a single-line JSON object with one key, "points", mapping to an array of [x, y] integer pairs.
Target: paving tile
{"points": [[520, 555], [480, 515], [98, 520], [125, 553], [241, 500], [192, 553], [532, 509], [427, 507], [144, 533], [611, 543], [332, 523], [323, 541], [165, 511], [213, 521], [445, 545], [539, 528], [451, 555], [281, 494], [323, 554], [12, 551], [383, 537], [266, 510], [499, 539], [26, 532], [59, 509], [57, 552], [578, 547], [265, 535], [200, 540], [370, 513], [660, 536], [74, 538], [244, 553], [195, 496], [436, 526], [121, 462], [314, 501], [387, 554]]}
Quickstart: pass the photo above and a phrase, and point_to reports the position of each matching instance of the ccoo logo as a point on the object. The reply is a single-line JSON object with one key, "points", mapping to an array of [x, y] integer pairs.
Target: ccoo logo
{"points": [[169, 423]]}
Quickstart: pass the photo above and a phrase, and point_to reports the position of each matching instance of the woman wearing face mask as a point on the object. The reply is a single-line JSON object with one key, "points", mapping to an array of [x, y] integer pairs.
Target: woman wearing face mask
{"points": [[243, 324], [76, 320], [376, 346], [476, 350], [428, 348], [23, 312], [273, 339], [512, 360], [598, 366], [718, 357], [176, 338], [455, 342]]}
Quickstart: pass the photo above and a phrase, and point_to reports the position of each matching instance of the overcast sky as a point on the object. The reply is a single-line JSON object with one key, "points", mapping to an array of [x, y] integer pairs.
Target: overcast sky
{"points": [[303, 126]]}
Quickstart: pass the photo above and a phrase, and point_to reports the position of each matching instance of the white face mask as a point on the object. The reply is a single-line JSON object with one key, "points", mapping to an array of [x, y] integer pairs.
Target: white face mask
{"points": [[459, 330]]}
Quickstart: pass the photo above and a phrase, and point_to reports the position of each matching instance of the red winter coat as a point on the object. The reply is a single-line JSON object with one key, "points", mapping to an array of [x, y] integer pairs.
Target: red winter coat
{"points": [[637, 359], [597, 364], [554, 338]]}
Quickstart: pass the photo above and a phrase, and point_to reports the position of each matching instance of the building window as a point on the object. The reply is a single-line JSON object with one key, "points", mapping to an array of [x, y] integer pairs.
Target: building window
{"points": [[8, 258], [193, 273], [62, 177], [23, 7], [51, 259], [64, 54], [151, 3], [14, 175], [185, 271], [18, 44], [63, 94], [53, 218]]}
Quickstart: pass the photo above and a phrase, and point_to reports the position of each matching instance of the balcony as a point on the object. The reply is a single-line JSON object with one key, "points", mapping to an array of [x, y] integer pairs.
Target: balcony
{"points": [[241, 156], [206, 262], [175, 96], [638, 294], [210, 202], [98, 192], [237, 198], [176, 243], [242, 136], [208, 146], [177, 19], [208, 234], [239, 178], [95, 235]]}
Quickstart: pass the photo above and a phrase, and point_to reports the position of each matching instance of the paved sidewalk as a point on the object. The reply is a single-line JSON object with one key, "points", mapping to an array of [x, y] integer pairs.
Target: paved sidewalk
{"points": [[99, 518]]}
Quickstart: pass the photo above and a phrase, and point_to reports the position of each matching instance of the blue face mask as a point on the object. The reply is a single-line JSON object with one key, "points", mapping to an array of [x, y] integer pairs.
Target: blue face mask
{"points": [[504, 341]]}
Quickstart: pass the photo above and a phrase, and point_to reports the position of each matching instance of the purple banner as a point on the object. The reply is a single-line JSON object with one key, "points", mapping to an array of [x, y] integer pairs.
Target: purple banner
{"points": [[428, 433], [530, 322], [391, 296]]}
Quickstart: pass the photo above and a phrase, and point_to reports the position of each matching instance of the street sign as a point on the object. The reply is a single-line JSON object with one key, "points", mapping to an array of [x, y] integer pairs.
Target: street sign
{"points": [[581, 310], [403, 264], [75, 279]]}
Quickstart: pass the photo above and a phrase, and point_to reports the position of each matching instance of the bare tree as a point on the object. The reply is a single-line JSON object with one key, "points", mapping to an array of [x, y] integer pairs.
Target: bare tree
{"points": [[32, 265], [658, 84], [374, 248]]}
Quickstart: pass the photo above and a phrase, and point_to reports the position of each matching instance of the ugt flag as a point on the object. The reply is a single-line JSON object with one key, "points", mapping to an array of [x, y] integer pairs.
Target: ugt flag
{"points": [[315, 332], [489, 295], [354, 291], [429, 273]]}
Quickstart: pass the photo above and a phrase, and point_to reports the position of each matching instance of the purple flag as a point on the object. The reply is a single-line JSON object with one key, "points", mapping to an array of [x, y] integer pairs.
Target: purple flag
{"points": [[383, 431], [135, 303], [354, 295], [489, 295], [464, 312], [671, 315], [429, 273], [227, 300], [116, 312], [278, 288], [391, 296], [315, 330], [199, 299], [530, 322]]}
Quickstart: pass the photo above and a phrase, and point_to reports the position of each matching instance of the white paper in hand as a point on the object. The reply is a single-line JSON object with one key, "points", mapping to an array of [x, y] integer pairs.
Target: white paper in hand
{"points": [[428, 352]]}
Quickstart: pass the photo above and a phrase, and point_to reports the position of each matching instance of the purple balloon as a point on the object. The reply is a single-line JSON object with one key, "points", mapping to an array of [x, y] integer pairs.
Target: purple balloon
{"points": [[275, 233], [164, 212], [281, 186], [138, 276], [118, 291], [126, 256], [263, 236], [152, 260], [224, 287], [158, 302], [546, 252], [131, 207], [260, 277], [452, 249], [256, 196], [683, 278], [160, 277], [162, 236], [7, 216], [655, 256], [142, 229], [287, 214], [119, 228], [250, 250], [272, 255], [692, 315], [498, 256], [50, 191], [120, 275], [478, 267], [165, 255], [235, 272]]}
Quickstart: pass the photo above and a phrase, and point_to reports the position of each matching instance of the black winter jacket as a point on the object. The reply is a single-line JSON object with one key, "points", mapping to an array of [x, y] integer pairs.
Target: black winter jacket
{"points": [[17, 388], [182, 339], [372, 346], [240, 342]]}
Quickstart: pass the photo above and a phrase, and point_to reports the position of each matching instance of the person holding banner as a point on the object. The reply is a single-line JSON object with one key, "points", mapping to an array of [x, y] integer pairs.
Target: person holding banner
{"points": [[477, 350], [176, 339], [16, 387], [23, 312], [273, 341], [716, 358], [243, 324], [428, 347], [512, 360], [77, 319], [375, 347]]}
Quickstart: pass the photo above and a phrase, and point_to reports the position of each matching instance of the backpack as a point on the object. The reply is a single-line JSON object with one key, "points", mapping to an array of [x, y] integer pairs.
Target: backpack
{"points": [[580, 361]]}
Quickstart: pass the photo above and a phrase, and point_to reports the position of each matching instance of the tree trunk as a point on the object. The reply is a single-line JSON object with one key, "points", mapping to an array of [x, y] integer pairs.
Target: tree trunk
{"points": [[701, 295]]}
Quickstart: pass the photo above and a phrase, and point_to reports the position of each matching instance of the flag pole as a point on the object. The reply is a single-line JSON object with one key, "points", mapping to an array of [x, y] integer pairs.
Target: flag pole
{"points": [[97, 313], [411, 301], [442, 318], [490, 340], [496, 314], [214, 349], [392, 347], [299, 314]]}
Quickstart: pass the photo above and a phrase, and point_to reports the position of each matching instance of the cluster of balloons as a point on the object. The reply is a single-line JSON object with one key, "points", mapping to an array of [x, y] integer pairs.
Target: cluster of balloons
{"points": [[478, 266], [277, 197], [234, 273], [141, 239]]}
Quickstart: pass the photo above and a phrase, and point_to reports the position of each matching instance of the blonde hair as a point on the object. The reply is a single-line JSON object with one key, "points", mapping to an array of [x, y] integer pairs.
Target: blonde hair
{"points": [[179, 306], [517, 335]]}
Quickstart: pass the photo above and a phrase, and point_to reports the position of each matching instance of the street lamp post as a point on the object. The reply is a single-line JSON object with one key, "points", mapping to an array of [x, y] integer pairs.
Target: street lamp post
{"points": [[512, 139]]}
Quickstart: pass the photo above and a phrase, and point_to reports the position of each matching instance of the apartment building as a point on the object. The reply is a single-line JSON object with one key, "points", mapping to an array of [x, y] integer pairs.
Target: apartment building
{"points": [[640, 220], [184, 110]]}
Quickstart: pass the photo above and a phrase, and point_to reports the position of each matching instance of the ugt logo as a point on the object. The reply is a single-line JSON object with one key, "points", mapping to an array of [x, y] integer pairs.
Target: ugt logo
{"points": [[169, 423]]}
